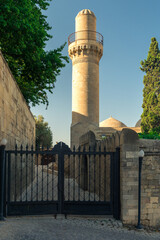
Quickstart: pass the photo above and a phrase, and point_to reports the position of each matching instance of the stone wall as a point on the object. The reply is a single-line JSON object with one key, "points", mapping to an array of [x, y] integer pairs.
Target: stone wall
{"points": [[78, 130], [98, 166], [151, 182], [130, 145], [81, 128], [17, 123]]}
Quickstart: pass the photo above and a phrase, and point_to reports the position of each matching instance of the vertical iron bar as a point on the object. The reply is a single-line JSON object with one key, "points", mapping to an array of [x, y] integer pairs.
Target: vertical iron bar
{"points": [[94, 175], [116, 185], [5, 197], [2, 176], [15, 174], [26, 171], [74, 179], [42, 162], [32, 173], [84, 165], [21, 178], [60, 180], [89, 169], [47, 170], [9, 178], [100, 178], [99, 173], [105, 159], [69, 172], [37, 150], [111, 180], [79, 185], [53, 160]]}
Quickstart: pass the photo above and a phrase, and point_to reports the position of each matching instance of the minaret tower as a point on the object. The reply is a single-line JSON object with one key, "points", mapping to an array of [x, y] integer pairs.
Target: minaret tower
{"points": [[85, 50]]}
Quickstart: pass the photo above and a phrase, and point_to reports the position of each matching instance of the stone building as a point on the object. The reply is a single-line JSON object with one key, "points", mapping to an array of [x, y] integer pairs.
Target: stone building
{"points": [[85, 50]]}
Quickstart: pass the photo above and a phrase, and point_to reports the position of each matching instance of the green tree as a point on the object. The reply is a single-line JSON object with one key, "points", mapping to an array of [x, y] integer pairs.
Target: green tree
{"points": [[43, 132], [151, 92], [23, 37]]}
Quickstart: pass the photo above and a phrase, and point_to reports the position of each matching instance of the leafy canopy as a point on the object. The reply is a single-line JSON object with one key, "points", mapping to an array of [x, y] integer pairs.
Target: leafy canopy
{"points": [[150, 118], [43, 133], [23, 37]]}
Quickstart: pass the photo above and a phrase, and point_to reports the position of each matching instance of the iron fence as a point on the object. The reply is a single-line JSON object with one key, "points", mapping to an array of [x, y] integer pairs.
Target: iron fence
{"points": [[61, 180]]}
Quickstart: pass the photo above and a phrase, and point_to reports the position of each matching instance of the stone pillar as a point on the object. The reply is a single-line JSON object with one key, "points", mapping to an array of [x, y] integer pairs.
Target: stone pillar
{"points": [[85, 50], [129, 149]]}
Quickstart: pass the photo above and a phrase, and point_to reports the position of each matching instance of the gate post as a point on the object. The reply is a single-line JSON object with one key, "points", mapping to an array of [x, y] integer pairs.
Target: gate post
{"points": [[2, 177], [129, 145], [60, 179], [116, 184]]}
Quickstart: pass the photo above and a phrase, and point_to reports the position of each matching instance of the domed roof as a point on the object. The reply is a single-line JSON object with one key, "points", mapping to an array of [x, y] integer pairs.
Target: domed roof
{"points": [[138, 124], [85, 11], [112, 122]]}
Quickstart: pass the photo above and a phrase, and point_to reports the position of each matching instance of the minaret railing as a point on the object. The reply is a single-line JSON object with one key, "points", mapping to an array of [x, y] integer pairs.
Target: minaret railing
{"points": [[85, 35]]}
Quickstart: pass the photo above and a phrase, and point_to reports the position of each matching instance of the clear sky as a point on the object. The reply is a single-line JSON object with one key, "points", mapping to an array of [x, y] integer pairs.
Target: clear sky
{"points": [[127, 27]]}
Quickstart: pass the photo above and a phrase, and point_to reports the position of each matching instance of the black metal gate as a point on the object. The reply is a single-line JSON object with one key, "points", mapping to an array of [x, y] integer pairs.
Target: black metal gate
{"points": [[83, 181]]}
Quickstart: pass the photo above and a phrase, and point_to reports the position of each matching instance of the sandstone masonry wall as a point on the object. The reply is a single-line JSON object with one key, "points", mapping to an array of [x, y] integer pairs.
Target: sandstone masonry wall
{"points": [[130, 145], [99, 170], [17, 123], [150, 182]]}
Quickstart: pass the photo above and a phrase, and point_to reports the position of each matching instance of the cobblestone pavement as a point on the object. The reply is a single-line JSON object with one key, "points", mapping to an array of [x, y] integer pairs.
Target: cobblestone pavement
{"points": [[72, 228]]}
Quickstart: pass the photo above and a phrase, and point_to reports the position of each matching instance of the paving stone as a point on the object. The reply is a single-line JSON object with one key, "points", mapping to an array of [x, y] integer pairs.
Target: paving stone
{"points": [[72, 228]]}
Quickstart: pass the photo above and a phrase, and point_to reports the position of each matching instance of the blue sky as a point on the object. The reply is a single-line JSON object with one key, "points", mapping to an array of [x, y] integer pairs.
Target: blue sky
{"points": [[127, 27]]}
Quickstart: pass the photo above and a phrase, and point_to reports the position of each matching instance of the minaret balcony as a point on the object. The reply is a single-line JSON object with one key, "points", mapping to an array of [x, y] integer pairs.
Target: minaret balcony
{"points": [[85, 35]]}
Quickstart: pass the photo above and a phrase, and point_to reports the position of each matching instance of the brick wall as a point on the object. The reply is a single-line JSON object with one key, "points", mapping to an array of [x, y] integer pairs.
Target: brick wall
{"points": [[17, 123]]}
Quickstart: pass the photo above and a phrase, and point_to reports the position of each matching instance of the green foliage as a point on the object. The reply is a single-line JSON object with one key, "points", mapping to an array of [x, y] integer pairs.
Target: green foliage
{"points": [[151, 92], [23, 36], [103, 137], [150, 135], [43, 132]]}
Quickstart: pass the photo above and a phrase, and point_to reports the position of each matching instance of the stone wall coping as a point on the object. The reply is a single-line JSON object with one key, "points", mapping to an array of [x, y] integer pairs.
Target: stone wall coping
{"points": [[149, 143], [129, 136]]}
